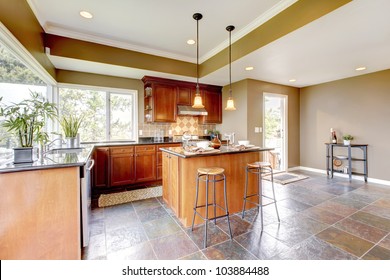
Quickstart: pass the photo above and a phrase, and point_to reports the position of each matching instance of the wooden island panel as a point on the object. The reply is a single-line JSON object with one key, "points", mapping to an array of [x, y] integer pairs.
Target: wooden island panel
{"points": [[40, 214], [185, 181]]}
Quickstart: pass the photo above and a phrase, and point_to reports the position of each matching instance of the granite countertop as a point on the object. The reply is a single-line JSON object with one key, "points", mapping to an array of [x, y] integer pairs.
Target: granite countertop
{"points": [[56, 158], [180, 152], [63, 157]]}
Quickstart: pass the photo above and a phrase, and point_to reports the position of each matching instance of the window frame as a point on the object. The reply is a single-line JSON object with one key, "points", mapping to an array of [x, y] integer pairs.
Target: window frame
{"points": [[108, 91]]}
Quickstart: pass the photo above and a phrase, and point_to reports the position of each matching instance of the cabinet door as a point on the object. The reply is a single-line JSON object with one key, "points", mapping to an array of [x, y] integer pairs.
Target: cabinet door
{"points": [[145, 163], [185, 95], [160, 158], [164, 103], [101, 168], [170, 181], [122, 169], [213, 105]]}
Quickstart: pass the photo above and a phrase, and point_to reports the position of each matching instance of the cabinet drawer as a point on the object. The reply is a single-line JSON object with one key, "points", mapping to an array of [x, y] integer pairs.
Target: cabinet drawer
{"points": [[145, 148], [121, 150]]}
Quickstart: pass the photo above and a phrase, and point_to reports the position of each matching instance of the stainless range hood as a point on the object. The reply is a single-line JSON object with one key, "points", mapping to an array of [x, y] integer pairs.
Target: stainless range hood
{"points": [[189, 111]]}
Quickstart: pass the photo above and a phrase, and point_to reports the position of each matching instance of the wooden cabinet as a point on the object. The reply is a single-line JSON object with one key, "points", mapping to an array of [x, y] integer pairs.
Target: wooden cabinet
{"points": [[212, 101], [160, 100], [145, 163], [159, 157], [121, 166], [185, 95], [128, 165], [100, 170], [170, 171], [163, 95]]}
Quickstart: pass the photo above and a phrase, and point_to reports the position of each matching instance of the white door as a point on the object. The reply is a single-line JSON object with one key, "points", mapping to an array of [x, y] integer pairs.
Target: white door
{"points": [[275, 128]]}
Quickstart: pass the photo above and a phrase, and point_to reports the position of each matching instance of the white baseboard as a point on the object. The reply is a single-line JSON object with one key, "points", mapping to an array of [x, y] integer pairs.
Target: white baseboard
{"points": [[360, 178]]}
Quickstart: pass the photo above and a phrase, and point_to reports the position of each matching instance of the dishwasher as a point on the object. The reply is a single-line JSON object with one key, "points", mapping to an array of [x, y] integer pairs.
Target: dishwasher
{"points": [[85, 200]]}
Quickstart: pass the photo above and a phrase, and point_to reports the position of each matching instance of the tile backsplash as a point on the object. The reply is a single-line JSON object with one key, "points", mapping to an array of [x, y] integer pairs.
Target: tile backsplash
{"points": [[183, 123]]}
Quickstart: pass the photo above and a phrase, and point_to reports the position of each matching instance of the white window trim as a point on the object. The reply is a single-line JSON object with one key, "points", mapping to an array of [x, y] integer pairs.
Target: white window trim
{"points": [[19, 51], [108, 90]]}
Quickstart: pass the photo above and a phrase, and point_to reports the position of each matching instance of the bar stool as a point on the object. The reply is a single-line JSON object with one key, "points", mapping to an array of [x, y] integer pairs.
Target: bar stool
{"points": [[212, 175], [260, 169]]}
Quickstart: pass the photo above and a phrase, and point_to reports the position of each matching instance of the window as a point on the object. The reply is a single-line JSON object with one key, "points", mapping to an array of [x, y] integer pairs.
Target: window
{"points": [[16, 82], [107, 114]]}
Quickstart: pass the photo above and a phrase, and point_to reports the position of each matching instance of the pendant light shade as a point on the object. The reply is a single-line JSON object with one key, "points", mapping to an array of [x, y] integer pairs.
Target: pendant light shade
{"points": [[230, 102], [198, 103]]}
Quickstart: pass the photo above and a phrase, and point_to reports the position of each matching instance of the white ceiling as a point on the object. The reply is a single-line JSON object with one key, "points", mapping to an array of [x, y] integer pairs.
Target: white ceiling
{"points": [[330, 48]]}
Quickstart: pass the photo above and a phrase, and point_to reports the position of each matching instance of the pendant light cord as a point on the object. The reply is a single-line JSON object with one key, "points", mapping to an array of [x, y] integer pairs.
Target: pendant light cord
{"points": [[230, 62], [230, 28], [197, 56]]}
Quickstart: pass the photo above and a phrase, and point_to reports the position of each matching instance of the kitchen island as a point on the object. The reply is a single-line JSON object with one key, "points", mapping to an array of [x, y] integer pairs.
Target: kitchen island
{"points": [[179, 178]]}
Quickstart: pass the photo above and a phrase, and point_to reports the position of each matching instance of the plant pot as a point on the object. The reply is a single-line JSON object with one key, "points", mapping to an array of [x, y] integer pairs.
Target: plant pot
{"points": [[71, 142], [23, 155], [347, 142]]}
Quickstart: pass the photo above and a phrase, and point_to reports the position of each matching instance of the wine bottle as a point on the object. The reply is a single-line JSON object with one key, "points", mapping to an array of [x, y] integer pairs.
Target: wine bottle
{"points": [[334, 137]]}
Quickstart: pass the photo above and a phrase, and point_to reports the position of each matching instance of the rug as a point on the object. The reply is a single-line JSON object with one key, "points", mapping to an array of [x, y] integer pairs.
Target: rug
{"points": [[128, 196], [286, 178]]}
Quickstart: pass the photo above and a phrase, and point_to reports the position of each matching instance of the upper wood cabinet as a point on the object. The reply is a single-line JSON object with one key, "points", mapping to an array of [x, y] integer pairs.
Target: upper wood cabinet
{"points": [[212, 101], [160, 100], [163, 95]]}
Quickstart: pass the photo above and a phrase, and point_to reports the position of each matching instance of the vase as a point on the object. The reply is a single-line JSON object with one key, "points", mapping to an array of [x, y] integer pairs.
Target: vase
{"points": [[347, 142], [215, 142], [71, 142], [23, 155]]}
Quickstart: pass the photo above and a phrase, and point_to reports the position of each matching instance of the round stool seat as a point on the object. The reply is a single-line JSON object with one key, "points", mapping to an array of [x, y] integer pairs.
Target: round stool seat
{"points": [[259, 164], [211, 170]]}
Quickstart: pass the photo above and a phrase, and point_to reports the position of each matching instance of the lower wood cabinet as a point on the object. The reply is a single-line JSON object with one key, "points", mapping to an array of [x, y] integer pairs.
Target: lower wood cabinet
{"points": [[100, 171], [145, 163], [159, 157], [128, 165], [121, 166], [170, 181]]}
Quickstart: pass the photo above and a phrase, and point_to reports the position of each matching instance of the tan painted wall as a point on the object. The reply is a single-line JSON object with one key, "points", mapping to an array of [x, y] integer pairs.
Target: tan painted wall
{"points": [[19, 19], [358, 106], [248, 95], [235, 121]]}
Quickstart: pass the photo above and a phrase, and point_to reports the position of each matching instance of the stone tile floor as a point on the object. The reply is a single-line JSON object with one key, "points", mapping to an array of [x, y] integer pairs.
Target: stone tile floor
{"points": [[321, 218]]}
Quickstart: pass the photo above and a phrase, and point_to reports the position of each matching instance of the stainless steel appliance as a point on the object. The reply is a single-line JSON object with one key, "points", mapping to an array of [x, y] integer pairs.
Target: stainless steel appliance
{"points": [[85, 183]]}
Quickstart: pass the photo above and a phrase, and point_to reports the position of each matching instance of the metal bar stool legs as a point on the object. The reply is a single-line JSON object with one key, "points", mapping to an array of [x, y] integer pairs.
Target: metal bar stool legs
{"points": [[213, 175], [259, 168]]}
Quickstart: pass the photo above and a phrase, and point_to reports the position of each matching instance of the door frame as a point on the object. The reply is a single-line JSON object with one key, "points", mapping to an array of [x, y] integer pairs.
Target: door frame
{"points": [[284, 124]]}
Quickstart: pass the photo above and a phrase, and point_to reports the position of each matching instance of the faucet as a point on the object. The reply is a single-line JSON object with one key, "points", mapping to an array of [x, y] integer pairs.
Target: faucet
{"points": [[47, 146]]}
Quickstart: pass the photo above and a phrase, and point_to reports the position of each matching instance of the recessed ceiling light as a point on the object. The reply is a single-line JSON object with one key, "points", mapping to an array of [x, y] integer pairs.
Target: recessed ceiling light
{"points": [[361, 68], [249, 68], [292, 80], [191, 42], [86, 14]]}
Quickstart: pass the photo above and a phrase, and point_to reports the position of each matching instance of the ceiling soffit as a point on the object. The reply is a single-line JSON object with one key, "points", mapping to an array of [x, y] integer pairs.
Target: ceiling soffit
{"points": [[292, 18]]}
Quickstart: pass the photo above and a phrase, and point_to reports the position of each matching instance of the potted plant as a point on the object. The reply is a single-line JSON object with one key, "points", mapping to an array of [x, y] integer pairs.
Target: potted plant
{"points": [[347, 139], [26, 121], [70, 125]]}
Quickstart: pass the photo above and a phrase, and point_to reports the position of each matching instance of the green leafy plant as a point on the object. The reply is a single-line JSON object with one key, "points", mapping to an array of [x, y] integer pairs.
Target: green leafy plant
{"points": [[347, 137], [70, 125], [27, 119]]}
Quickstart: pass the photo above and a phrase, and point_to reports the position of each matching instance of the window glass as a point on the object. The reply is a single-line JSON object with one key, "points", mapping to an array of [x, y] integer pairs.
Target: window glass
{"points": [[91, 105], [16, 83], [106, 115], [121, 120]]}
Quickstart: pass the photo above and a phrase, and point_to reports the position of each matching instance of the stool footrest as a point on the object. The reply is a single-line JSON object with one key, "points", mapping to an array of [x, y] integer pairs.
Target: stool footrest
{"points": [[213, 218]]}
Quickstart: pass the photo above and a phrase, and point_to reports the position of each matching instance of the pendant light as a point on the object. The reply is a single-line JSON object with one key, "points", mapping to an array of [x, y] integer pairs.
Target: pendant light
{"points": [[198, 103], [230, 101]]}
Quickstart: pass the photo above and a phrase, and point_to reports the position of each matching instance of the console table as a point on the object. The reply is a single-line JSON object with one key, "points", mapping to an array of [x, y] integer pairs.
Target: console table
{"points": [[330, 157]]}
